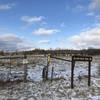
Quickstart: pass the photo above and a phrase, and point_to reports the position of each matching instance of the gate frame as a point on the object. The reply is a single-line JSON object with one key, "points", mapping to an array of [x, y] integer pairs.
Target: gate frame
{"points": [[73, 60], [80, 58]]}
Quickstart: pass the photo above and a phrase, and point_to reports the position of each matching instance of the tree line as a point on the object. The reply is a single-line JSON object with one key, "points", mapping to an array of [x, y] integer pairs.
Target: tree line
{"points": [[55, 52]]}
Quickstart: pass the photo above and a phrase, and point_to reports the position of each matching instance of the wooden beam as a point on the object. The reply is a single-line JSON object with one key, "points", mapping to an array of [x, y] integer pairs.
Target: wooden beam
{"points": [[12, 57], [60, 58]]}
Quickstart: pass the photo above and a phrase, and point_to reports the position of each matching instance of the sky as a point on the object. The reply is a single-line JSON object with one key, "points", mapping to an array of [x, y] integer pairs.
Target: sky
{"points": [[49, 24]]}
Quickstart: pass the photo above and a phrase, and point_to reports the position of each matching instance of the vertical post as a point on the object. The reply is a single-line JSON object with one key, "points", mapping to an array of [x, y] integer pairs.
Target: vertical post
{"points": [[99, 70], [48, 62], [52, 74], [9, 73], [25, 68], [89, 73], [44, 73], [10, 65], [72, 72]]}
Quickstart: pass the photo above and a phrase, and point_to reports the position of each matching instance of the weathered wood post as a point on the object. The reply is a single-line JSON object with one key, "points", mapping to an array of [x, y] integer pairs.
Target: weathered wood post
{"points": [[52, 73], [9, 64], [44, 73], [98, 72], [89, 73], [72, 72], [47, 67], [25, 62]]}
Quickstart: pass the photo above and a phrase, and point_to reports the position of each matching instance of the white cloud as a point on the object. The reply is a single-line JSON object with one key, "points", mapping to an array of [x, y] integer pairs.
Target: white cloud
{"points": [[33, 19], [12, 42], [44, 42], [94, 5], [10, 38], [89, 38], [43, 31], [6, 6], [62, 24], [98, 17], [80, 7], [95, 17], [90, 14]]}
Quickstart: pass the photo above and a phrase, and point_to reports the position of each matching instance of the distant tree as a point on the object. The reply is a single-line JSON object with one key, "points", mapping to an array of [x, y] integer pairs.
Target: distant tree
{"points": [[2, 52]]}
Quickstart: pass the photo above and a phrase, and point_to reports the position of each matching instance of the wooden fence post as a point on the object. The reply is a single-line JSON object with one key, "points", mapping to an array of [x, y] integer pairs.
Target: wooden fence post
{"points": [[44, 73], [25, 62], [72, 72], [47, 67], [52, 73], [89, 73], [9, 64]]}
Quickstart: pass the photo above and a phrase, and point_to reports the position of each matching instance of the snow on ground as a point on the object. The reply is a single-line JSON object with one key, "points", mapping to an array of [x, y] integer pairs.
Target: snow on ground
{"points": [[35, 74], [58, 89], [96, 81]]}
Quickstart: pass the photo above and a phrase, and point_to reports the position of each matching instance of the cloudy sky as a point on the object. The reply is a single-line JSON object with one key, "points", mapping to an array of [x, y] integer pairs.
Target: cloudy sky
{"points": [[28, 24]]}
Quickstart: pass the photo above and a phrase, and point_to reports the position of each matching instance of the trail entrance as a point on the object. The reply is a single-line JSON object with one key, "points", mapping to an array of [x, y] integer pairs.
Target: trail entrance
{"points": [[72, 61]]}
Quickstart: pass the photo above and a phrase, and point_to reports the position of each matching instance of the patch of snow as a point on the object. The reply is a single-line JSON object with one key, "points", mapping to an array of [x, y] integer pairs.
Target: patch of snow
{"points": [[95, 97]]}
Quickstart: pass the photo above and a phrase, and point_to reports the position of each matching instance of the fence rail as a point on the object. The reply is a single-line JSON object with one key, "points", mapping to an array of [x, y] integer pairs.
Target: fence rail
{"points": [[60, 58]]}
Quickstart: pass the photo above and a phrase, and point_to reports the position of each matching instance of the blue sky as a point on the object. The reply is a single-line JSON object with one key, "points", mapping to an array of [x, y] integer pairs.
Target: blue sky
{"points": [[49, 24]]}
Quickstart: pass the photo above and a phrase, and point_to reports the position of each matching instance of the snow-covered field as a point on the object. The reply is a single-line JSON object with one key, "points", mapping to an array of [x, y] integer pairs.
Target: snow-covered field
{"points": [[58, 89]]}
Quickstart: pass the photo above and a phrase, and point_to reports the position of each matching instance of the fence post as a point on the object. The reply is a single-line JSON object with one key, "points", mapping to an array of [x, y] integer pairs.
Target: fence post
{"points": [[47, 67], [44, 73], [9, 73], [89, 73], [52, 74], [72, 72], [25, 62]]}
